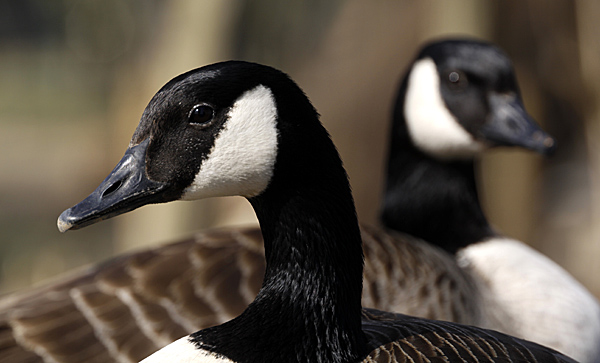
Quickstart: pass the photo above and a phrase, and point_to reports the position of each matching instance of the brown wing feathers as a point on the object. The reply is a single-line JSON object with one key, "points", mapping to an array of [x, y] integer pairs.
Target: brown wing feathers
{"points": [[402, 338], [123, 310]]}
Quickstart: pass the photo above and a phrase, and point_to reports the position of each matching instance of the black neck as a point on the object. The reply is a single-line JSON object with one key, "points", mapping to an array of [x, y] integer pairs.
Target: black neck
{"points": [[432, 199], [308, 309]]}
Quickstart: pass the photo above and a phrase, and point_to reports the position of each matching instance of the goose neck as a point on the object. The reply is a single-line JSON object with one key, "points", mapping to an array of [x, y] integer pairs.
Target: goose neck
{"points": [[436, 200], [309, 306]]}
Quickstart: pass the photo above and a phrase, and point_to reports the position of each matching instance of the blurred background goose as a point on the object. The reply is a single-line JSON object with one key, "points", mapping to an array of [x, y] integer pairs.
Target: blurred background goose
{"points": [[460, 97], [238, 128]]}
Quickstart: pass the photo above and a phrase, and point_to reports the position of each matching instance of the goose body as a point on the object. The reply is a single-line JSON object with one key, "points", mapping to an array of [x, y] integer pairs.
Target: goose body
{"points": [[431, 193], [188, 146], [537, 297]]}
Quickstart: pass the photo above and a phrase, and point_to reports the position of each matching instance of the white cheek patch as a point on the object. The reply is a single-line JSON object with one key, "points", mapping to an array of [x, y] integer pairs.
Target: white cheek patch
{"points": [[432, 128], [242, 159]]}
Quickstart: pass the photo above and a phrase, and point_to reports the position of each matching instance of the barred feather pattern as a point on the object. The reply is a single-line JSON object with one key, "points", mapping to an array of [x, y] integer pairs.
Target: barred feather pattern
{"points": [[397, 338], [130, 306]]}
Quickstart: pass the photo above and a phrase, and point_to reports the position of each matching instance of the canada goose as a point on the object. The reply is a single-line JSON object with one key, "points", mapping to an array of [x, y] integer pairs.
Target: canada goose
{"points": [[431, 192], [128, 307], [238, 128]]}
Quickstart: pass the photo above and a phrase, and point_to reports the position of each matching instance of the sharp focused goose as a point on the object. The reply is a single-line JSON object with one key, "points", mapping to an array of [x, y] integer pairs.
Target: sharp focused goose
{"points": [[238, 128], [431, 193]]}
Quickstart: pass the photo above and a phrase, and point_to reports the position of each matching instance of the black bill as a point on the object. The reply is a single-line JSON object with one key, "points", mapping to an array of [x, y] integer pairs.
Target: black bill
{"points": [[126, 188], [511, 125]]}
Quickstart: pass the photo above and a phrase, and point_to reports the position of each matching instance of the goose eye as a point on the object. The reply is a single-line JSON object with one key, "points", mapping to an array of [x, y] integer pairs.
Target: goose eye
{"points": [[457, 80], [201, 114]]}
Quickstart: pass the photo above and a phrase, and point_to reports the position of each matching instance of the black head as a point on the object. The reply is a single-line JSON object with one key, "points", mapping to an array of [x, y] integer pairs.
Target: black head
{"points": [[460, 97], [213, 131]]}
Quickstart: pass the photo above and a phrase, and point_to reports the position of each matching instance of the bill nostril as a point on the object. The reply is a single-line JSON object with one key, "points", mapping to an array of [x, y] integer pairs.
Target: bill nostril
{"points": [[113, 188], [512, 125]]}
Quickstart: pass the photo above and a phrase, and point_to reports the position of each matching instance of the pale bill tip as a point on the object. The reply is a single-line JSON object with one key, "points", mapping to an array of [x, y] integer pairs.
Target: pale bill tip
{"points": [[62, 225]]}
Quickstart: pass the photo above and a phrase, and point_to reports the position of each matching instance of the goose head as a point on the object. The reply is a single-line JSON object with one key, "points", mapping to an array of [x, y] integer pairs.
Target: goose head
{"points": [[461, 97], [238, 128], [458, 99], [213, 131]]}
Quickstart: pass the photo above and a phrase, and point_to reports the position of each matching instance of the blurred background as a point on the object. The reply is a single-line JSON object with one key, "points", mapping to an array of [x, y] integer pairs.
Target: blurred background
{"points": [[75, 77]]}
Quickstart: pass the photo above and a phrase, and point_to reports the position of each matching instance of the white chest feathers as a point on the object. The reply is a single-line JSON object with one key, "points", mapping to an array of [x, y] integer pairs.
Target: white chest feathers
{"points": [[184, 351], [243, 156], [432, 128], [542, 302]]}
